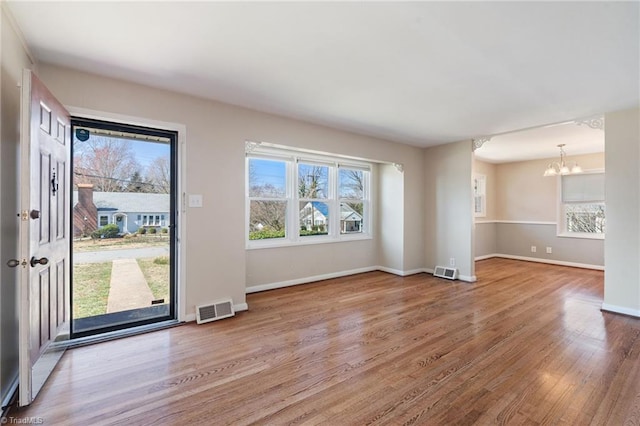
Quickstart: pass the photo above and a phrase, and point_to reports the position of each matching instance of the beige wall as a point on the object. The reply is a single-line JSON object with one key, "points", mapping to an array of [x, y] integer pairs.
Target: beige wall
{"points": [[622, 247], [217, 263], [449, 207], [14, 59], [390, 217], [519, 193], [523, 194]]}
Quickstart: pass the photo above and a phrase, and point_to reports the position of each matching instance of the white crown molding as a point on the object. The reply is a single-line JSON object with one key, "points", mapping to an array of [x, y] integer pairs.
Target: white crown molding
{"points": [[478, 142], [250, 146], [596, 123]]}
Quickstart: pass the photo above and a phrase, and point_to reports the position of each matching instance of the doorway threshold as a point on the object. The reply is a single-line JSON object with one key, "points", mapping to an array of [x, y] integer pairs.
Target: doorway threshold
{"points": [[87, 329]]}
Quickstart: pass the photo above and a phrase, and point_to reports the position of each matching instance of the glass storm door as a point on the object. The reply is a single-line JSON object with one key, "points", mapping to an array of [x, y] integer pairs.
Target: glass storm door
{"points": [[123, 226]]}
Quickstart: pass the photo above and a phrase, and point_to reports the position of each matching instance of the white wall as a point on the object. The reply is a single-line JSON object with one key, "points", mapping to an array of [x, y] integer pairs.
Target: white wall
{"points": [[622, 246], [449, 207], [14, 59]]}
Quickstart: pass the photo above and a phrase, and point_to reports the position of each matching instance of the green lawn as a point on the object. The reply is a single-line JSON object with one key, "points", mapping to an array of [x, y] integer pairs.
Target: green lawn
{"points": [[156, 272], [91, 283]]}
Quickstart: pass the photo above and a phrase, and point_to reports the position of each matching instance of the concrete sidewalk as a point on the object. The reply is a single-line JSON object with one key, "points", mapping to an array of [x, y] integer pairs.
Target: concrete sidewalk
{"points": [[129, 288]]}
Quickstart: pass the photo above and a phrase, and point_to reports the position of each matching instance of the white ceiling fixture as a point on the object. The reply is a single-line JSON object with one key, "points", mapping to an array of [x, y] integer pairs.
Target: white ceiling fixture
{"points": [[560, 167], [421, 73]]}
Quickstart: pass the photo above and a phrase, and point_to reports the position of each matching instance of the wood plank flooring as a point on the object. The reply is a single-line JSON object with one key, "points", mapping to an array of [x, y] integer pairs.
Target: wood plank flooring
{"points": [[526, 344]]}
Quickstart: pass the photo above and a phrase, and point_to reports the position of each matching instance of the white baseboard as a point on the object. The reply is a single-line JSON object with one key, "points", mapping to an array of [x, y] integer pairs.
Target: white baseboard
{"points": [[399, 272], [547, 261], [241, 307], [283, 284], [305, 280], [487, 256], [237, 308], [621, 310]]}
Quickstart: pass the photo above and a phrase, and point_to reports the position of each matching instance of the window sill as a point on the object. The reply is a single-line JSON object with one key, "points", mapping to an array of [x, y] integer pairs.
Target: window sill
{"points": [[308, 241], [581, 235]]}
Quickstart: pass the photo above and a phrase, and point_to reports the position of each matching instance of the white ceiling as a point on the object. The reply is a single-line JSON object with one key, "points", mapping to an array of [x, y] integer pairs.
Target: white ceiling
{"points": [[422, 73], [542, 142]]}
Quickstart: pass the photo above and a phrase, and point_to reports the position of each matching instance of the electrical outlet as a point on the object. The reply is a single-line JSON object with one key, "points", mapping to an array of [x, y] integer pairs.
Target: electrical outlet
{"points": [[549, 250], [452, 261], [533, 249]]}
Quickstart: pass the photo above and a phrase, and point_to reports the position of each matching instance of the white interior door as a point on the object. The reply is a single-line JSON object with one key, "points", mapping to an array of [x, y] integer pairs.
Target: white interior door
{"points": [[44, 235]]}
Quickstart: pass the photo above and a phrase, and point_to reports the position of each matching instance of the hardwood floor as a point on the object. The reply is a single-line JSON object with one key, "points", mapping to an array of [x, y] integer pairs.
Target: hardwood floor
{"points": [[526, 344]]}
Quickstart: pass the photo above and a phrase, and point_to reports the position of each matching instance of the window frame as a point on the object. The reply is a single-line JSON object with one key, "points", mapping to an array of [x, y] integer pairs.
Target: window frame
{"points": [[561, 211], [480, 190], [100, 217], [292, 158]]}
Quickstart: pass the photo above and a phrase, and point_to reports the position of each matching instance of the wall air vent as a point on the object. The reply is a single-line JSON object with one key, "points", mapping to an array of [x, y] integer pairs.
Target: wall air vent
{"points": [[445, 272], [214, 311]]}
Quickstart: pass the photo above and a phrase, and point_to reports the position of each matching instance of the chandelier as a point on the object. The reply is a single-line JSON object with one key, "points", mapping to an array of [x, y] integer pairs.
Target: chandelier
{"points": [[561, 168]]}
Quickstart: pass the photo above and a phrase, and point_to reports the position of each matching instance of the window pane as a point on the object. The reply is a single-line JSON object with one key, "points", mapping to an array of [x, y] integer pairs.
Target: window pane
{"points": [[351, 184], [351, 217], [314, 218], [313, 181], [267, 178], [267, 219], [588, 218], [104, 220]]}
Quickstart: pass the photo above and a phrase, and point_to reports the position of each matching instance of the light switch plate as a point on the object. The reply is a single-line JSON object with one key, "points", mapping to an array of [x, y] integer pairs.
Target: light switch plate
{"points": [[195, 200]]}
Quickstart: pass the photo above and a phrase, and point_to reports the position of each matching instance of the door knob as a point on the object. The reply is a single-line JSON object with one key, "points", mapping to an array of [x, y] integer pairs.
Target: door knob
{"points": [[41, 261], [12, 263]]}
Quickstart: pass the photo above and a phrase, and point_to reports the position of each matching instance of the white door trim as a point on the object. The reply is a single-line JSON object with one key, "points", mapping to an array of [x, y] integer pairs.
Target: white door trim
{"points": [[181, 248]]}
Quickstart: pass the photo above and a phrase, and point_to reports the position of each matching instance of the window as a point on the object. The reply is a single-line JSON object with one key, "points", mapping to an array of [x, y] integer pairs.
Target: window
{"points": [[104, 220], [295, 197], [583, 206], [480, 195], [351, 193]]}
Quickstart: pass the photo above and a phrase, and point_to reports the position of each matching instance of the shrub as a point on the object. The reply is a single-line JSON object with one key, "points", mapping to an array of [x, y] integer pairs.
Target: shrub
{"points": [[165, 230], [108, 231], [304, 232], [142, 231], [266, 233], [152, 230]]}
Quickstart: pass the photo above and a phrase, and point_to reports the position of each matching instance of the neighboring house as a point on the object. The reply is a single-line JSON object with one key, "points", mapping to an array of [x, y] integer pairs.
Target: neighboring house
{"points": [[350, 220], [129, 210], [314, 214]]}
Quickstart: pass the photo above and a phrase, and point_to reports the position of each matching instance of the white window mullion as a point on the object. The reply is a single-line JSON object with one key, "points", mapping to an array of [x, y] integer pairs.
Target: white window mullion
{"points": [[334, 230], [294, 209]]}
